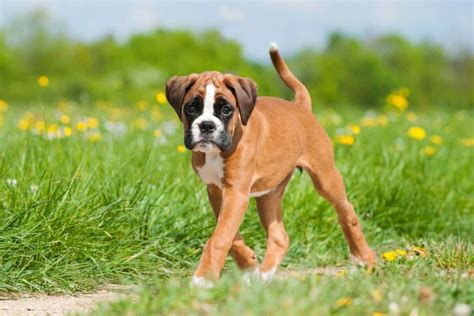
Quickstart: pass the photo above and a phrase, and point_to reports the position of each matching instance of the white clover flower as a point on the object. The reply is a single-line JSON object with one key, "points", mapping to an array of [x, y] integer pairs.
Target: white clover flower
{"points": [[12, 182]]}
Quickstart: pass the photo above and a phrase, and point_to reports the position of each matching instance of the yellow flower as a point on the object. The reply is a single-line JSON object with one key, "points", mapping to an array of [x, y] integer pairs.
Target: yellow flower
{"points": [[345, 301], [52, 128], [24, 124], [65, 119], [378, 314], [140, 123], [401, 253], [382, 120], [142, 105], [160, 97], [157, 133], [345, 140], [368, 121], [94, 137], [468, 142], [92, 122], [181, 149], [43, 81], [436, 139], [67, 131], [3, 106], [429, 151], [376, 295], [355, 129], [417, 133], [398, 101], [40, 126], [81, 126], [389, 255], [411, 116]]}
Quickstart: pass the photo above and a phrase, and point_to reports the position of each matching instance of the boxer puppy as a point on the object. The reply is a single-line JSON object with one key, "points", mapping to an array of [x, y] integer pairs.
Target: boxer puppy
{"points": [[247, 146]]}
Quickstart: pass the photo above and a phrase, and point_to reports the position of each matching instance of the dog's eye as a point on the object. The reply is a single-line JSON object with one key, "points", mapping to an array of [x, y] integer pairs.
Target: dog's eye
{"points": [[191, 109], [226, 110], [193, 106]]}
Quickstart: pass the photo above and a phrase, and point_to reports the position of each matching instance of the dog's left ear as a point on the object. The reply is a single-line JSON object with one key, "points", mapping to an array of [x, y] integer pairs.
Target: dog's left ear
{"points": [[245, 92], [176, 89]]}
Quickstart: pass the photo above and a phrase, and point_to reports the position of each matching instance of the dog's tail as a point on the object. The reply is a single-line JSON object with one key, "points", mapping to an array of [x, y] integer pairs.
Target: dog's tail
{"points": [[301, 93]]}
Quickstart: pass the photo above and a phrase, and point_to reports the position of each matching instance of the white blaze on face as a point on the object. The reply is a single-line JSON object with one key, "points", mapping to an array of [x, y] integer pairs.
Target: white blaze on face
{"points": [[207, 115]]}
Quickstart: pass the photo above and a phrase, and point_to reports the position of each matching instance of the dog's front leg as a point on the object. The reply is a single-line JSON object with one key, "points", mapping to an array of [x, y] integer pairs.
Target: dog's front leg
{"points": [[234, 205]]}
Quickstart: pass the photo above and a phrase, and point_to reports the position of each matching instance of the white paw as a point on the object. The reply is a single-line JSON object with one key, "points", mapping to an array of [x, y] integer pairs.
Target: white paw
{"points": [[250, 275], [267, 277], [357, 261], [201, 283]]}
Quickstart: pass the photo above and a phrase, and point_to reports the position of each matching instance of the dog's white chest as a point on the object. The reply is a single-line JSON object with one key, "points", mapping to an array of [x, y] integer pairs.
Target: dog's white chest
{"points": [[213, 169]]}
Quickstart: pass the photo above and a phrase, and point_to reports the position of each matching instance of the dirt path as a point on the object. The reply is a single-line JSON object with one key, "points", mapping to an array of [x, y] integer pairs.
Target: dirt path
{"points": [[55, 305]]}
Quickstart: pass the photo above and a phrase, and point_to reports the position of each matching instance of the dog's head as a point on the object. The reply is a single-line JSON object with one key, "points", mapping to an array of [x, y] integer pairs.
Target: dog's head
{"points": [[211, 105]]}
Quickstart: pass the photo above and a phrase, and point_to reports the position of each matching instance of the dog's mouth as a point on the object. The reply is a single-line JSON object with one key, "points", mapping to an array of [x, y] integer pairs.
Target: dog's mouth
{"points": [[207, 143]]}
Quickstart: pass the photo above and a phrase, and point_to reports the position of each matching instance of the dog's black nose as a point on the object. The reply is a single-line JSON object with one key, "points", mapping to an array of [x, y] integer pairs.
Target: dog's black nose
{"points": [[207, 127]]}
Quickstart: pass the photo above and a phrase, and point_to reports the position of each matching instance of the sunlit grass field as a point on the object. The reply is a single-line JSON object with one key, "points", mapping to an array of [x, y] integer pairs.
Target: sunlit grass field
{"points": [[99, 194]]}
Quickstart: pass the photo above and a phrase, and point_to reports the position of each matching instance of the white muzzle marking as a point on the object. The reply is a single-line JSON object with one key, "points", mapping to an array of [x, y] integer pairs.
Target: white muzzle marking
{"points": [[207, 115]]}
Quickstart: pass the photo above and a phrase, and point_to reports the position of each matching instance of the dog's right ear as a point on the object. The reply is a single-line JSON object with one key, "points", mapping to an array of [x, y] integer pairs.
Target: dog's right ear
{"points": [[176, 89]]}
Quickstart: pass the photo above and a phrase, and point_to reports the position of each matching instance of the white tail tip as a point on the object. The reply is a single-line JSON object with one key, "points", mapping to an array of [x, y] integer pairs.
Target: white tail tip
{"points": [[273, 47]]}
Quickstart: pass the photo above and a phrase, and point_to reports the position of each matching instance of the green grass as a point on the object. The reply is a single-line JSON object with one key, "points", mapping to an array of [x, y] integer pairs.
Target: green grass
{"points": [[129, 209]]}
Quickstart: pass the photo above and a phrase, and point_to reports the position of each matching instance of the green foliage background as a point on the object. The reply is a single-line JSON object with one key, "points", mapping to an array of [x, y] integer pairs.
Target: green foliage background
{"points": [[346, 71]]}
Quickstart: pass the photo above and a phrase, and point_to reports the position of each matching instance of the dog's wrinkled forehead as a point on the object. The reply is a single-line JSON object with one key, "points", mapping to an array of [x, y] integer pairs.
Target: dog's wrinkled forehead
{"points": [[210, 84]]}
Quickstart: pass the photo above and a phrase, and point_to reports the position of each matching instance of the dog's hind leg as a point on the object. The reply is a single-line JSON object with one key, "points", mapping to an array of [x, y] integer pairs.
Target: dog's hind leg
{"points": [[329, 183], [243, 255], [270, 212]]}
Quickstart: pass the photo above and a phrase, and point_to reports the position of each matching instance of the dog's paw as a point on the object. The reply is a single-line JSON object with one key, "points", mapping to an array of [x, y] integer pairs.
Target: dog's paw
{"points": [[201, 283], [256, 275], [267, 277]]}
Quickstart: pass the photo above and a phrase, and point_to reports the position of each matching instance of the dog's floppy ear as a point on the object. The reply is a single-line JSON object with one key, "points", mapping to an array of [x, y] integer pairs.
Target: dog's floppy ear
{"points": [[176, 89], [245, 92]]}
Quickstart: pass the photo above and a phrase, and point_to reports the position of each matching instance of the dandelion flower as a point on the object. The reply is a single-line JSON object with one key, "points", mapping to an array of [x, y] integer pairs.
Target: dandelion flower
{"points": [[355, 129], [378, 314], [92, 122], [401, 253], [24, 124], [65, 119], [160, 97], [40, 126], [382, 120], [43, 81], [3, 106], [389, 255], [67, 131], [157, 133], [345, 140], [468, 142], [181, 149], [345, 301], [376, 295], [140, 123], [397, 101], [94, 137], [417, 133], [81, 126], [142, 105], [429, 151]]}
